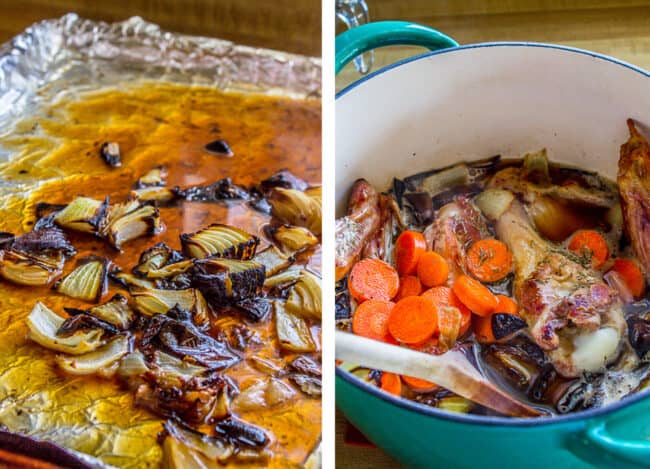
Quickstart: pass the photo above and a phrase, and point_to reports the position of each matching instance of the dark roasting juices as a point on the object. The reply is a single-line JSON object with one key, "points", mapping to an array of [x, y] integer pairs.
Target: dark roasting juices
{"points": [[56, 157]]}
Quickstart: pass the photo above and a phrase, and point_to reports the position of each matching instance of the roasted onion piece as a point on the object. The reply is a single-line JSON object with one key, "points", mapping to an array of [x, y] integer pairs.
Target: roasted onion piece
{"points": [[82, 214], [273, 260], [154, 194], [115, 311], [154, 301], [297, 208], [110, 152], [293, 332], [155, 258], [292, 239], [226, 280], [30, 270], [220, 241], [153, 178], [97, 361], [283, 279], [305, 296], [43, 325], [88, 281], [130, 281], [188, 449], [124, 223], [49, 240]]}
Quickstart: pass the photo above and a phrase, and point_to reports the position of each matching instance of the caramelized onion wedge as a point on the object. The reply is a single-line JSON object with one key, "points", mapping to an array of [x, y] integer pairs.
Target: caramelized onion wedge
{"points": [[173, 370], [170, 270], [132, 365], [130, 281], [292, 239], [220, 241], [225, 280], [154, 177], [187, 449], [88, 281], [293, 332], [153, 301], [43, 324], [143, 221], [82, 214], [297, 208], [115, 311], [25, 269], [283, 279], [273, 260], [305, 296], [155, 258], [154, 194], [97, 361]]}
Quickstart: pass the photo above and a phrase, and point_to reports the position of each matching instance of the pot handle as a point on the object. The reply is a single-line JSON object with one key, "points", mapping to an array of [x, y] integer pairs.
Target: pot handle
{"points": [[356, 41], [636, 451]]}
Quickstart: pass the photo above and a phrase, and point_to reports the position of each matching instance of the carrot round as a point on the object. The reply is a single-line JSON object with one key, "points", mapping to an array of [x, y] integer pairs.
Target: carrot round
{"points": [[477, 297], [409, 285], [489, 260], [433, 269], [592, 244], [371, 319], [482, 326], [445, 296], [419, 385], [413, 320], [373, 279], [408, 248], [632, 276], [506, 305], [391, 383]]}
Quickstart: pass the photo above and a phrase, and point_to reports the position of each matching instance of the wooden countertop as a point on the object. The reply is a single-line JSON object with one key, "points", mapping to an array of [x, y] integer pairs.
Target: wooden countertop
{"points": [[618, 28], [288, 25]]}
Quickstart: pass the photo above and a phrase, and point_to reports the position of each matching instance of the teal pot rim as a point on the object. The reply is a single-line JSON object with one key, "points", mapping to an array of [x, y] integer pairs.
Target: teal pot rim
{"points": [[480, 419]]}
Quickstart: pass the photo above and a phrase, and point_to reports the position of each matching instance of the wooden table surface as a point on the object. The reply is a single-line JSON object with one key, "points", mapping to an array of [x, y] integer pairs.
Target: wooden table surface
{"points": [[618, 28], [288, 25]]}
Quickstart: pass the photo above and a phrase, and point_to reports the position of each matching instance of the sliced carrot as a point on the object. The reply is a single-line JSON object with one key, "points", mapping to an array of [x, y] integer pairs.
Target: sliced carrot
{"points": [[632, 276], [445, 296], [413, 320], [371, 319], [391, 383], [433, 269], [409, 285], [482, 326], [477, 297], [373, 279], [592, 244], [489, 260], [506, 305], [419, 385], [449, 319], [408, 248]]}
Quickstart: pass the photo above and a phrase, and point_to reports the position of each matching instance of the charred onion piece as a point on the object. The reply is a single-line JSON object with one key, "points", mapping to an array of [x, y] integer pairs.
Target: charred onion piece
{"points": [[154, 194], [224, 189], [130, 281], [273, 260], [504, 325], [310, 385], [88, 281], [174, 370], [128, 221], [110, 152], [219, 147], [115, 311], [98, 361], [154, 301], [305, 296], [82, 214], [25, 269], [220, 241], [242, 433], [43, 325], [153, 178], [183, 447], [283, 279], [82, 321], [283, 178], [306, 365], [297, 208], [170, 270], [293, 332], [226, 280], [292, 239], [6, 239], [639, 335], [155, 258], [43, 240], [175, 333], [255, 309]]}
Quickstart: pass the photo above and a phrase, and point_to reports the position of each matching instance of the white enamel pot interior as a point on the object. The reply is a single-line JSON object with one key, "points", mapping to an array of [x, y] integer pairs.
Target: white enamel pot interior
{"points": [[481, 100]]}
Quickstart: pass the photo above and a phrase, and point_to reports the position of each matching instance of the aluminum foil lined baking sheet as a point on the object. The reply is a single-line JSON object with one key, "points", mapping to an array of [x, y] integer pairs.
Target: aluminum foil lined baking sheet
{"points": [[65, 57]]}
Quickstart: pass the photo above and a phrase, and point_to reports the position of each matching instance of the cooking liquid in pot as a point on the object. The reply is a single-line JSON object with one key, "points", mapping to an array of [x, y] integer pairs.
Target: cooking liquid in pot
{"points": [[55, 157]]}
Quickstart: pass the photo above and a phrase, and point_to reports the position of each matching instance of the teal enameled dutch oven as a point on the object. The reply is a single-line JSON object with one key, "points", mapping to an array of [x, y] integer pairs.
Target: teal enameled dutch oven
{"points": [[468, 102]]}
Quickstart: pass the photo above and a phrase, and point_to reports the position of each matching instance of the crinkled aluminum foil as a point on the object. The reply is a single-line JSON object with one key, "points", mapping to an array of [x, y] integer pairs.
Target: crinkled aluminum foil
{"points": [[62, 57], [71, 52]]}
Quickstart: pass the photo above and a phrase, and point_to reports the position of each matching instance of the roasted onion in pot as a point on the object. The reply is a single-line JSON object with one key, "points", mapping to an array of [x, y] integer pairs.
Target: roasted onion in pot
{"points": [[292, 239], [88, 281], [297, 208], [95, 362], [220, 241], [126, 223], [30, 270], [273, 260], [293, 332], [149, 301], [305, 297], [115, 311], [227, 280], [82, 214]]}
